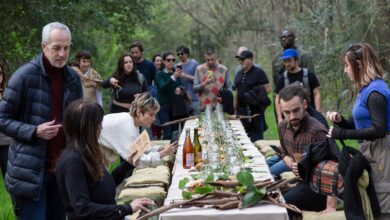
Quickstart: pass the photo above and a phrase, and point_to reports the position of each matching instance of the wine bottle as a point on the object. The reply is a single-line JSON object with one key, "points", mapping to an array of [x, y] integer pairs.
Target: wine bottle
{"points": [[188, 152], [197, 147]]}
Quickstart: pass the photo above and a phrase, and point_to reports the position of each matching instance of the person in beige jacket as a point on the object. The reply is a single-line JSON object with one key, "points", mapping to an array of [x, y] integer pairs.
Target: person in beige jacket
{"points": [[90, 79]]}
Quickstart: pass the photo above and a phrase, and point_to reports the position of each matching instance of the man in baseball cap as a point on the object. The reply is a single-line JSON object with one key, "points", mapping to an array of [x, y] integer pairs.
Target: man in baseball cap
{"points": [[294, 74], [248, 79], [289, 53], [246, 54]]}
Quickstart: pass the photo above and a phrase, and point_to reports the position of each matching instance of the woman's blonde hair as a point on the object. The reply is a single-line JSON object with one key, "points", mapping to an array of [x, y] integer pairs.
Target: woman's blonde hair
{"points": [[364, 63], [145, 103]]}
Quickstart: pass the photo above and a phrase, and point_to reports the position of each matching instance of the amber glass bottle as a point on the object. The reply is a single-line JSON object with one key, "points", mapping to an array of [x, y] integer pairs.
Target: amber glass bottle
{"points": [[188, 152], [197, 147]]}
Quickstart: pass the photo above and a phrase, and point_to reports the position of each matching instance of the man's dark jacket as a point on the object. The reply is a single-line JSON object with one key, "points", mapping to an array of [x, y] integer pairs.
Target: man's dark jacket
{"points": [[27, 102]]}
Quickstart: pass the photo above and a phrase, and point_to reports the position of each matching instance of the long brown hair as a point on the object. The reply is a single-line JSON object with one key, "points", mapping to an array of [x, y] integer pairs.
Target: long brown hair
{"points": [[82, 125], [4, 81], [364, 63], [120, 70]]}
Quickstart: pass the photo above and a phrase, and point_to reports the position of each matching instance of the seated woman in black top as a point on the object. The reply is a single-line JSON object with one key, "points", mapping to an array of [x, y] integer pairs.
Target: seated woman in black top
{"points": [[84, 184]]}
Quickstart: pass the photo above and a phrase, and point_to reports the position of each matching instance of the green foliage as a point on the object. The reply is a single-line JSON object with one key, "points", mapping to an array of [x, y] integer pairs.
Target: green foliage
{"points": [[5, 203], [183, 183], [203, 190], [91, 24], [252, 195], [186, 195], [245, 178], [251, 198]]}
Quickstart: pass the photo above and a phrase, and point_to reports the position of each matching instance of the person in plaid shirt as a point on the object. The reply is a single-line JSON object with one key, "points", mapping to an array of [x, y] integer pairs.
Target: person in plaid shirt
{"points": [[297, 130]]}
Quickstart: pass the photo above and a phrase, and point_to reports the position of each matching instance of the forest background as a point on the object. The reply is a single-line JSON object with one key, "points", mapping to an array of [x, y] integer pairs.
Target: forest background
{"points": [[107, 28]]}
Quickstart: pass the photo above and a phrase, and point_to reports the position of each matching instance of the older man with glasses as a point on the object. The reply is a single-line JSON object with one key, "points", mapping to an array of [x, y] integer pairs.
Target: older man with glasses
{"points": [[251, 80], [31, 114]]}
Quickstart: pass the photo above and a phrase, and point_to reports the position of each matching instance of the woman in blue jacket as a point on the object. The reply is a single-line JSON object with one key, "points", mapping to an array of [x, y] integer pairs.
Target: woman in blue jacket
{"points": [[371, 117]]}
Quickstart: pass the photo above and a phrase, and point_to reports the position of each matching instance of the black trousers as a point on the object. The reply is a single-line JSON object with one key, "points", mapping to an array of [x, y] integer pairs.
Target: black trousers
{"points": [[3, 159], [254, 127], [304, 198]]}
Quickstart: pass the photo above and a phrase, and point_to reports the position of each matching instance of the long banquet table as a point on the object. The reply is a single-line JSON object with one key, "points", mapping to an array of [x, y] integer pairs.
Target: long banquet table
{"points": [[260, 171]]}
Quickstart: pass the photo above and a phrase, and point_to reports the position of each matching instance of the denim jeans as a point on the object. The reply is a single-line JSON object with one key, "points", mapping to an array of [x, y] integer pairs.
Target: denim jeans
{"points": [[195, 106], [277, 166], [49, 205], [164, 115]]}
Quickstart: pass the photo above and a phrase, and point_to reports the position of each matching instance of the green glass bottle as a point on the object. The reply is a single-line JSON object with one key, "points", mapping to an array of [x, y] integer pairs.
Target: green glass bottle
{"points": [[197, 147]]}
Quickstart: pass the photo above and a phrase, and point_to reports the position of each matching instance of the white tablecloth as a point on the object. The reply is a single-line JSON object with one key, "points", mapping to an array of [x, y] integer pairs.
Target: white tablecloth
{"points": [[260, 172]]}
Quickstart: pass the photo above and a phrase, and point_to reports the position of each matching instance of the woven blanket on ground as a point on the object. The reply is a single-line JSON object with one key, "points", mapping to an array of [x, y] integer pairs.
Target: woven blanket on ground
{"points": [[265, 148], [159, 174], [338, 215], [154, 193], [287, 175]]}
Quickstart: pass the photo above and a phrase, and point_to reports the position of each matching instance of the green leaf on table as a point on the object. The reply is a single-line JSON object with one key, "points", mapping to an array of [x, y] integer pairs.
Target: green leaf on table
{"points": [[203, 190], [186, 195], [195, 176], [261, 191], [183, 183], [224, 176], [245, 178], [240, 189], [210, 178], [250, 188], [251, 198], [246, 159]]}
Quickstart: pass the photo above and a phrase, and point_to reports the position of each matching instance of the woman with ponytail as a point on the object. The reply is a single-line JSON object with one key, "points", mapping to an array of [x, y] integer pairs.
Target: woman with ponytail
{"points": [[371, 118]]}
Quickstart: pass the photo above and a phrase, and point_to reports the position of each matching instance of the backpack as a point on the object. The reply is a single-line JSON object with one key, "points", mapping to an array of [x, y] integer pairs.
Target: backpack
{"points": [[305, 79]]}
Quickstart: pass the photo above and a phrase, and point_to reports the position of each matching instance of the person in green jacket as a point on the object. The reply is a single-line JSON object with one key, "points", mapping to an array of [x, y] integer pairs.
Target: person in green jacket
{"points": [[167, 80]]}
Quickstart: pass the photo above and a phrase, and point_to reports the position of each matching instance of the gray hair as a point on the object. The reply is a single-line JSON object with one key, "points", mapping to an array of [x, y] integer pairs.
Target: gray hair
{"points": [[51, 26], [240, 49]]}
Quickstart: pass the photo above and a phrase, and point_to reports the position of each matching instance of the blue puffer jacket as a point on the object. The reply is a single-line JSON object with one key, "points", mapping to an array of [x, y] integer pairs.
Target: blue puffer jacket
{"points": [[26, 104]]}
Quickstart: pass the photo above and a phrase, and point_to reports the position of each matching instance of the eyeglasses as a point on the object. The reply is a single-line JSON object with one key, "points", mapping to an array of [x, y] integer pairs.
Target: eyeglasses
{"points": [[170, 60], [180, 54]]}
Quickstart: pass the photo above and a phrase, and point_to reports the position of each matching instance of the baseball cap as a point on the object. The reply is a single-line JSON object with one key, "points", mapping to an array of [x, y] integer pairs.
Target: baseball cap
{"points": [[288, 54], [245, 55]]}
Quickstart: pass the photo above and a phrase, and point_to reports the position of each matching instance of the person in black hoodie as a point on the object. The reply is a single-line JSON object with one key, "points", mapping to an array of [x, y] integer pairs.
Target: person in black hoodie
{"points": [[84, 184]]}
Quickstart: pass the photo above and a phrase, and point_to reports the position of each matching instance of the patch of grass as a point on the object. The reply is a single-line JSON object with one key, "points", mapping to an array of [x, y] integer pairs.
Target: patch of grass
{"points": [[272, 132], [6, 209]]}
